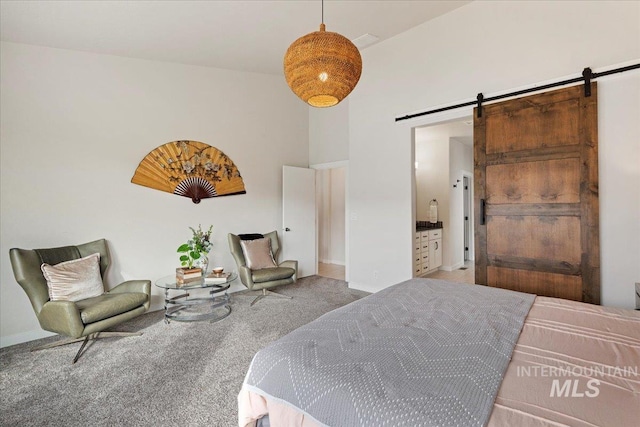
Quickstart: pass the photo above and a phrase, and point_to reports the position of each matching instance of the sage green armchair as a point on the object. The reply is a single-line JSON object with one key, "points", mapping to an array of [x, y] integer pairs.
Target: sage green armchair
{"points": [[85, 319], [266, 278]]}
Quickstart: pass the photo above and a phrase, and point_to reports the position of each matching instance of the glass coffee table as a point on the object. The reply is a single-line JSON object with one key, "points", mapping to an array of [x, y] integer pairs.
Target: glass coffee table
{"points": [[189, 305]]}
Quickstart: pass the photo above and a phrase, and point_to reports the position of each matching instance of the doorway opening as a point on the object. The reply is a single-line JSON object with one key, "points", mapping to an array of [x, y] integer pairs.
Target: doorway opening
{"points": [[444, 171], [331, 225]]}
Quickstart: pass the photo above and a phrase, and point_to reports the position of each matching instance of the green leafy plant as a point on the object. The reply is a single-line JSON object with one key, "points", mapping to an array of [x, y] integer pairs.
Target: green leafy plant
{"points": [[198, 246]]}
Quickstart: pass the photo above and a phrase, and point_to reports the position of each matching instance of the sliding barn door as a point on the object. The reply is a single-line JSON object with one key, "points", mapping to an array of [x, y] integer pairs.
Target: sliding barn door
{"points": [[536, 199]]}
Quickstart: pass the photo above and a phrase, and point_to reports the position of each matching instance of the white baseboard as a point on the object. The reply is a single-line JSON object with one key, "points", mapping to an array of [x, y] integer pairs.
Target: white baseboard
{"points": [[237, 286], [451, 267], [24, 337], [357, 287], [331, 261]]}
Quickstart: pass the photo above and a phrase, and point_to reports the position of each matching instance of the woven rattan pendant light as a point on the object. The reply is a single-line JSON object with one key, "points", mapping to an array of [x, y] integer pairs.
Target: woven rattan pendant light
{"points": [[322, 68]]}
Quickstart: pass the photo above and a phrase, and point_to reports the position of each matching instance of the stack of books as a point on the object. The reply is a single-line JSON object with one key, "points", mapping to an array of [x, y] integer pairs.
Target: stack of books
{"points": [[216, 278], [188, 275]]}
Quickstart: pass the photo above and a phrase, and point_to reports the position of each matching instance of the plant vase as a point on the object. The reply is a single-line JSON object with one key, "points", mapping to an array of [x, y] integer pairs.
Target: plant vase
{"points": [[202, 262]]}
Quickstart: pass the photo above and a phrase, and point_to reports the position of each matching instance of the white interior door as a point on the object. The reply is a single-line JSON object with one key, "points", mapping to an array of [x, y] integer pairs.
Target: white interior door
{"points": [[299, 218]]}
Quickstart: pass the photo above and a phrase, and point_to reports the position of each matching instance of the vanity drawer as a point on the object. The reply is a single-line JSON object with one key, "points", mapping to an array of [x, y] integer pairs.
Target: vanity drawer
{"points": [[424, 267], [434, 234]]}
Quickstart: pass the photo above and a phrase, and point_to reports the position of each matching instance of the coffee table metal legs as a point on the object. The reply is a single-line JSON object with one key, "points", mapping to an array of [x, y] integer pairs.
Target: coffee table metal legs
{"points": [[183, 308]]}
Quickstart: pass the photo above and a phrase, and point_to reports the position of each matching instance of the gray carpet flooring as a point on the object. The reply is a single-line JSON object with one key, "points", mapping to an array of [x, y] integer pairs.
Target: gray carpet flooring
{"points": [[185, 374]]}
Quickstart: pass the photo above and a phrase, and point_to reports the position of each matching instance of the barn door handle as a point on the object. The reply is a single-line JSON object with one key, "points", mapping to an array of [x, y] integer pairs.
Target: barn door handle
{"points": [[483, 212]]}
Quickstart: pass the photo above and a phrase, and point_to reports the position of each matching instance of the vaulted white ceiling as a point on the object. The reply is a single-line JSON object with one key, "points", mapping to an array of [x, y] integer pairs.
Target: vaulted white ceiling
{"points": [[239, 35]]}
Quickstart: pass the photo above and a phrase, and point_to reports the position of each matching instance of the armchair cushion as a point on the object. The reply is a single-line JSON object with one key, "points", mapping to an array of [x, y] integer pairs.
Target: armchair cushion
{"points": [[109, 305], [257, 253], [74, 280], [269, 274], [142, 286]]}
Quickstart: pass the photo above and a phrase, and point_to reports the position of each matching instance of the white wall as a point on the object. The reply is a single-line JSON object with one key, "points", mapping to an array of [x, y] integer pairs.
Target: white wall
{"points": [[432, 175], [329, 134], [73, 129], [619, 175], [490, 47]]}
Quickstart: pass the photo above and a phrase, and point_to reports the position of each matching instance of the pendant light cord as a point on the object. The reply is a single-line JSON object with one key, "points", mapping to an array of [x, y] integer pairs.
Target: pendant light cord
{"points": [[322, 11]]}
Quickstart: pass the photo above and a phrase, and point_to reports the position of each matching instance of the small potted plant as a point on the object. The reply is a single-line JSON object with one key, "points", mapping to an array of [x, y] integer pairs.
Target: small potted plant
{"points": [[195, 253]]}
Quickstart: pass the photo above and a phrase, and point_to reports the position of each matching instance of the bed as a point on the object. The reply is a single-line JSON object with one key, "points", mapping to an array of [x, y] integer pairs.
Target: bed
{"points": [[430, 352]]}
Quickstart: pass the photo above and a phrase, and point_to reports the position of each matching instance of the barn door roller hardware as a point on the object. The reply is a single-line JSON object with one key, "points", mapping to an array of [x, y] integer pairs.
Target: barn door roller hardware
{"points": [[480, 98], [587, 76]]}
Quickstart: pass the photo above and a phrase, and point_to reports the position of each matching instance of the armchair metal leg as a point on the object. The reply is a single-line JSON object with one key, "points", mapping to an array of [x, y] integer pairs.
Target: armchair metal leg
{"points": [[85, 340], [115, 334], [84, 343], [57, 343], [266, 293]]}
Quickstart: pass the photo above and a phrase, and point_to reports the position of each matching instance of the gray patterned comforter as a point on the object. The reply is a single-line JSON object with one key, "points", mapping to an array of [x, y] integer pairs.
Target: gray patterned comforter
{"points": [[420, 353]]}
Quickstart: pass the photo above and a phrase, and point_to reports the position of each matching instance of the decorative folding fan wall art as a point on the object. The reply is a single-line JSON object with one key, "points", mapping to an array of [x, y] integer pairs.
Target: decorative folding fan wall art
{"points": [[190, 169]]}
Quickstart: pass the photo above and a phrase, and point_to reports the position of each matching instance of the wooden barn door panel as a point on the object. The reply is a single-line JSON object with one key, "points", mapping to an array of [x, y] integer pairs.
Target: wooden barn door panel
{"points": [[537, 125], [535, 237], [536, 282], [534, 182], [536, 172]]}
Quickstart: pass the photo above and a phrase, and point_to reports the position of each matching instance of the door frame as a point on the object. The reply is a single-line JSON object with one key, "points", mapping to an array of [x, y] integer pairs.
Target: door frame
{"points": [[334, 165]]}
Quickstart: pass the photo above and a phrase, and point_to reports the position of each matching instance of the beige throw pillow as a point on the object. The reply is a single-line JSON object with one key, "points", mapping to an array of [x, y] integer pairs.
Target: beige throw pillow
{"points": [[74, 280], [258, 253]]}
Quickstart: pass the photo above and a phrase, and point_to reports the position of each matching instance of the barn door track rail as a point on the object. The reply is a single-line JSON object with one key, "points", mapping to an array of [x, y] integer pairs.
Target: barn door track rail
{"points": [[587, 76]]}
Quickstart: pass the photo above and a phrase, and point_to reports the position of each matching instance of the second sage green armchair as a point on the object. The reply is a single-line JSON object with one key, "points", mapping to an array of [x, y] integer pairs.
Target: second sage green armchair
{"points": [[266, 278], [85, 319]]}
